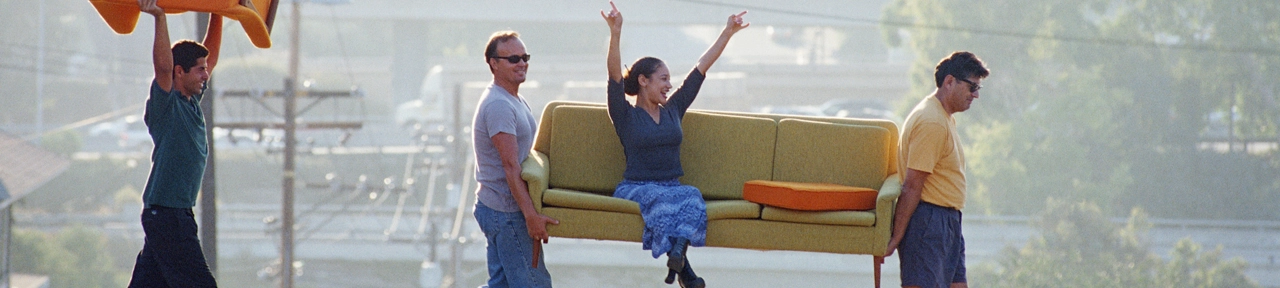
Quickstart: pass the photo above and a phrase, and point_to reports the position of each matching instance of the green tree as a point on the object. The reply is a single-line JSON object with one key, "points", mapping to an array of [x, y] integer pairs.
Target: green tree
{"points": [[64, 143], [76, 257], [1079, 247], [1192, 267], [89, 186]]}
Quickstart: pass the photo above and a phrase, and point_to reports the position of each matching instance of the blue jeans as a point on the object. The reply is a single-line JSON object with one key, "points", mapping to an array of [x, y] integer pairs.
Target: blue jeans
{"points": [[932, 249], [171, 255], [510, 250]]}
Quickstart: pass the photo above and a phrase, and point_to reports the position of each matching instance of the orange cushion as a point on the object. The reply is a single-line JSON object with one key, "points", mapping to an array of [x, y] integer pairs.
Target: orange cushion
{"points": [[809, 196]]}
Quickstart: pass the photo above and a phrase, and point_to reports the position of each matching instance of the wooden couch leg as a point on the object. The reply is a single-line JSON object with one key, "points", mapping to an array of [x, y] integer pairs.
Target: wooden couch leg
{"points": [[876, 262]]}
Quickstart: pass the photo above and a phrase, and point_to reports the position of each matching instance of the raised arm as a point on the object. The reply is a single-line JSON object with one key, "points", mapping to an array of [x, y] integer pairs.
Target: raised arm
{"points": [[161, 55], [735, 24], [213, 40], [617, 98], [614, 18]]}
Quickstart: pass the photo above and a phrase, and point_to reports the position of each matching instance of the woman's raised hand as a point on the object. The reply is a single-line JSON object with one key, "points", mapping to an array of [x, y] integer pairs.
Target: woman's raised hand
{"points": [[614, 18], [736, 22]]}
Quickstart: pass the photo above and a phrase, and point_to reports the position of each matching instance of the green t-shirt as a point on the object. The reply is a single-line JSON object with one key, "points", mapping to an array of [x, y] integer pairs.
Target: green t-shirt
{"points": [[177, 128]]}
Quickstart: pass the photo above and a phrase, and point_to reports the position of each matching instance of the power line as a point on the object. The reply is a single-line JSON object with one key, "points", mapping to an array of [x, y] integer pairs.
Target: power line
{"points": [[99, 56], [1000, 33], [87, 121], [337, 31], [61, 73]]}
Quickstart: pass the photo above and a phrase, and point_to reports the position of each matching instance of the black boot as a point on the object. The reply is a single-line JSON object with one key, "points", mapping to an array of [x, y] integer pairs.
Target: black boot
{"points": [[690, 280], [675, 257]]}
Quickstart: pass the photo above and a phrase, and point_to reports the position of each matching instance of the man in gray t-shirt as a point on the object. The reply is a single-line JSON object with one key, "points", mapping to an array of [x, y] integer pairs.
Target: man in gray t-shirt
{"points": [[502, 132]]}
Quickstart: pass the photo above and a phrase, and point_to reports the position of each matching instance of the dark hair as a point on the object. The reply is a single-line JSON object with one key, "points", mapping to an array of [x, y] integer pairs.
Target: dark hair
{"points": [[961, 64], [644, 66], [186, 52], [498, 37]]}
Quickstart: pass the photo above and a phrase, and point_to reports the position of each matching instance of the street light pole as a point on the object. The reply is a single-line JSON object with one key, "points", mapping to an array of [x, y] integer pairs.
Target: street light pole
{"points": [[40, 74]]}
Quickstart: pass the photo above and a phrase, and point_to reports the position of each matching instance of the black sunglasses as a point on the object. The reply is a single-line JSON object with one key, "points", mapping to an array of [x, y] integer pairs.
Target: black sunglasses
{"points": [[513, 59], [973, 87]]}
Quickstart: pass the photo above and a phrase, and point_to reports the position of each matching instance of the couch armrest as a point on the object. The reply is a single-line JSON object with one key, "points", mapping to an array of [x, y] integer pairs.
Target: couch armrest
{"points": [[886, 204], [536, 173]]}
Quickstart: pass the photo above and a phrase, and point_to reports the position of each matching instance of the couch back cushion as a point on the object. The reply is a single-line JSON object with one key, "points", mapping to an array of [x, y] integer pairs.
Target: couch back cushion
{"points": [[890, 146], [585, 153], [721, 152], [821, 152]]}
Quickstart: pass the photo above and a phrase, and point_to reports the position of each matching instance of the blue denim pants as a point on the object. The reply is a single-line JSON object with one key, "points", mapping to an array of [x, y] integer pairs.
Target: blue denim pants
{"points": [[171, 255], [510, 250]]}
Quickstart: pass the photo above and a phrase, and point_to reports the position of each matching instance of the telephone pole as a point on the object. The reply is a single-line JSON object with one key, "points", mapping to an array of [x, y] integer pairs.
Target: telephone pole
{"points": [[290, 94], [208, 184], [290, 121], [290, 113]]}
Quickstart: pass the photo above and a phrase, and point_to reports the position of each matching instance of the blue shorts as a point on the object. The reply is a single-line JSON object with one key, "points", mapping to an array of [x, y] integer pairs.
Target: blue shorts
{"points": [[932, 250]]}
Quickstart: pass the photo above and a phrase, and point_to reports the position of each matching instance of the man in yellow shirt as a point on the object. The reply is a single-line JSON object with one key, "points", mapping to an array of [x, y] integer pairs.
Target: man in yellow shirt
{"points": [[926, 228]]}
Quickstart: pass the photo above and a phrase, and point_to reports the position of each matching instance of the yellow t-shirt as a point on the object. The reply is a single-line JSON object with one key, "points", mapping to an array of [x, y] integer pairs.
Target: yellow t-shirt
{"points": [[930, 143]]}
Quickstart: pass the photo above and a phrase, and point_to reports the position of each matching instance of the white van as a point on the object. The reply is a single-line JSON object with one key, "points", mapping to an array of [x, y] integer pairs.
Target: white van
{"points": [[429, 108]]}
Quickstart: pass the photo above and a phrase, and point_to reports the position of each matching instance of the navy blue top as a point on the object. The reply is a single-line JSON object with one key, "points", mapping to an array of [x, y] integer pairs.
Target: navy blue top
{"points": [[652, 149], [177, 163]]}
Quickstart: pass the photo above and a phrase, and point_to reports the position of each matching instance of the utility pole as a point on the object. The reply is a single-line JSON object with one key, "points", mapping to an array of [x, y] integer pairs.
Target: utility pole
{"points": [[290, 102], [290, 113], [208, 184]]}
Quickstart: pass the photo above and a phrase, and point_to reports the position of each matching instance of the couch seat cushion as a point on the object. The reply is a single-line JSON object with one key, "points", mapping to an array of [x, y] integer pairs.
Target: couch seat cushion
{"points": [[846, 218], [809, 196], [732, 209], [588, 201]]}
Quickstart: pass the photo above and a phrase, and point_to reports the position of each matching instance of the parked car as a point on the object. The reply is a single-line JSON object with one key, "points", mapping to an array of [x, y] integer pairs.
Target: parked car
{"points": [[128, 132], [1218, 127], [858, 108], [842, 107], [790, 110]]}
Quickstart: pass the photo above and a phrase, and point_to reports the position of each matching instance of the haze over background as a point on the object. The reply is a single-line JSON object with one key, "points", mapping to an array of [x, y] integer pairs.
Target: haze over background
{"points": [[1120, 127]]}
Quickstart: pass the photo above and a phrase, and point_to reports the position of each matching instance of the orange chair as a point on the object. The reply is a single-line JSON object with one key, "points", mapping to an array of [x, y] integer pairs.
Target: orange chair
{"points": [[122, 15]]}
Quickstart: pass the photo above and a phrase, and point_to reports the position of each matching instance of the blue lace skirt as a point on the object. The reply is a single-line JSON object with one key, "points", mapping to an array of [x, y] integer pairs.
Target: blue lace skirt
{"points": [[670, 210]]}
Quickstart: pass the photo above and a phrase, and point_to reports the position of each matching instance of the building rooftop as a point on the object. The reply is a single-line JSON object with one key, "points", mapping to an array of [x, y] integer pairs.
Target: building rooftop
{"points": [[25, 167]]}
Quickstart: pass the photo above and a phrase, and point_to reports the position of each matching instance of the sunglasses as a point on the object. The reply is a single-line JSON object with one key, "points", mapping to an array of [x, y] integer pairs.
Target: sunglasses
{"points": [[513, 59], [973, 87]]}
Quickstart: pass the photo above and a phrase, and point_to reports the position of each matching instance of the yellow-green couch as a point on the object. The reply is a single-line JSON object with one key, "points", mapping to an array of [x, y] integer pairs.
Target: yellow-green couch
{"points": [[577, 162]]}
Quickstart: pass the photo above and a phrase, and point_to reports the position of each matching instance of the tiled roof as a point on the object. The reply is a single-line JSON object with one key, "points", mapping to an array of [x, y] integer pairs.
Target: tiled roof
{"points": [[25, 167]]}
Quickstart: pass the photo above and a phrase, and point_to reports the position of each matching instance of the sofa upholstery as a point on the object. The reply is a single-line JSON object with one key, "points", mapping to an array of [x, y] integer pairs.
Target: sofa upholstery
{"points": [[577, 161]]}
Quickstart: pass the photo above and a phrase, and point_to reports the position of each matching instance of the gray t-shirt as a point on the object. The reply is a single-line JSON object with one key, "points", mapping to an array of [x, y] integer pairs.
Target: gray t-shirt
{"points": [[499, 112]]}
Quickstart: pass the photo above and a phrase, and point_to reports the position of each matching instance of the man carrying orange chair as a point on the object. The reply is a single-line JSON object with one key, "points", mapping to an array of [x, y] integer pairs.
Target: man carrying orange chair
{"points": [[171, 255]]}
